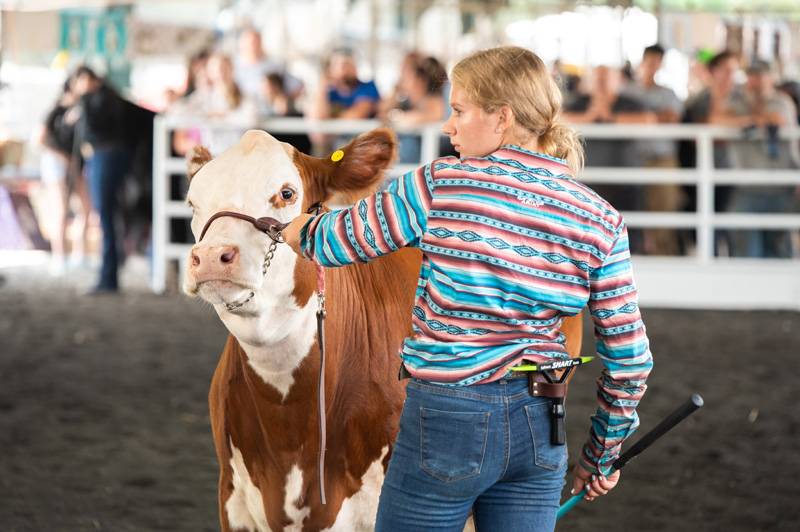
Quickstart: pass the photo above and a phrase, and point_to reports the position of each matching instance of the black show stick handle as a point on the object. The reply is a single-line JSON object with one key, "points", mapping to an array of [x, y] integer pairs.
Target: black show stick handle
{"points": [[680, 413]]}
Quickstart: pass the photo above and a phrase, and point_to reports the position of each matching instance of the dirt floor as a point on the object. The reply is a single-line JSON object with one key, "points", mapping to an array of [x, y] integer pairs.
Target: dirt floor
{"points": [[104, 421]]}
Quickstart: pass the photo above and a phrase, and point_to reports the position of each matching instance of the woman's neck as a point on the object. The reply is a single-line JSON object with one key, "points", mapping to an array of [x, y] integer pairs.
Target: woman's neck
{"points": [[528, 141]]}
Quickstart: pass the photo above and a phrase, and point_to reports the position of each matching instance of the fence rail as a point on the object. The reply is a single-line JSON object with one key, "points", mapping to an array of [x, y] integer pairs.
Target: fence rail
{"points": [[697, 281]]}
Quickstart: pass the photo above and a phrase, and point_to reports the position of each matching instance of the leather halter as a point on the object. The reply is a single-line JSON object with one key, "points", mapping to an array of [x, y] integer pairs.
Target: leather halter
{"points": [[267, 225], [272, 228]]}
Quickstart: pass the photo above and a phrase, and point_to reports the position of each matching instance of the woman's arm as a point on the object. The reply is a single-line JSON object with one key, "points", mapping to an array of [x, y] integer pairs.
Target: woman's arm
{"points": [[623, 347], [374, 226]]}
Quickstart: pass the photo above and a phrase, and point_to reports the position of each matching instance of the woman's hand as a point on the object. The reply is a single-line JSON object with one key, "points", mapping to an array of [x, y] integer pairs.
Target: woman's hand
{"points": [[595, 485], [291, 233]]}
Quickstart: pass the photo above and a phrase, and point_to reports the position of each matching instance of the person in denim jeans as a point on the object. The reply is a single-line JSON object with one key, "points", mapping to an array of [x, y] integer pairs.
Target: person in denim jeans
{"points": [[512, 244], [108, 152]]}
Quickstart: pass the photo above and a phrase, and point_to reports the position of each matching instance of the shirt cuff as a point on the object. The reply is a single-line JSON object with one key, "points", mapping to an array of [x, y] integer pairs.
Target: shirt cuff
{"points": [[598, 464], [307, 237]]}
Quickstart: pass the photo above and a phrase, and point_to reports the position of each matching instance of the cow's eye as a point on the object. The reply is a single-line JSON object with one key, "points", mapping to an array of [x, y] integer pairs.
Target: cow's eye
{"points": [[287, 194]]}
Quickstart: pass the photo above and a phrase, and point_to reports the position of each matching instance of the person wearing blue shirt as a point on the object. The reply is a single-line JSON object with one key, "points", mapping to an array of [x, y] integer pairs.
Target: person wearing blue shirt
{"points": [[341, 93]]}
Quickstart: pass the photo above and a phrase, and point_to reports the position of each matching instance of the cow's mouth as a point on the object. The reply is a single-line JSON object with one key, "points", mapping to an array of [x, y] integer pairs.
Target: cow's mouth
{"points": [[232, 294]]}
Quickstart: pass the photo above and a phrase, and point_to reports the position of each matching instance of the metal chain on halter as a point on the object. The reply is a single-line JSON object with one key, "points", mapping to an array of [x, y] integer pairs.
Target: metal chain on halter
{"points": [[273, 245]]}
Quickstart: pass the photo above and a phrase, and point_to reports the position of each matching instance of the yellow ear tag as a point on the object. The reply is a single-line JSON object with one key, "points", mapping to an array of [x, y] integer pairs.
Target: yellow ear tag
{"points": [[337, 156]]}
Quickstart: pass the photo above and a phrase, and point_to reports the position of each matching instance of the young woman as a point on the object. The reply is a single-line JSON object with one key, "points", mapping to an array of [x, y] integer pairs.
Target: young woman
{"points": [[511, 245]]}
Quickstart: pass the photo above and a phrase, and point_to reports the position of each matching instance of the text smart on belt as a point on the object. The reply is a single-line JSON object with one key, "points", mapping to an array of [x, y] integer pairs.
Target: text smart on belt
{"points": [[558, 433]]}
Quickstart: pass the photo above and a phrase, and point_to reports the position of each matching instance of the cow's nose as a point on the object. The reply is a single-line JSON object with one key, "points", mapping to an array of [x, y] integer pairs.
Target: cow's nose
{"points": [[214, 256]]}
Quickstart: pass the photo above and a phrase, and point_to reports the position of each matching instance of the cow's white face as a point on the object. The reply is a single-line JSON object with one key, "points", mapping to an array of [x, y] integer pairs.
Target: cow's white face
{"points": [[261, 177], [256, 177]]}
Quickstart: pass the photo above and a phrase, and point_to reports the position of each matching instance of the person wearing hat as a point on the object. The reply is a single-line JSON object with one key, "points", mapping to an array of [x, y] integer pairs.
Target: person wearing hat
{"points": [[763, 112]]}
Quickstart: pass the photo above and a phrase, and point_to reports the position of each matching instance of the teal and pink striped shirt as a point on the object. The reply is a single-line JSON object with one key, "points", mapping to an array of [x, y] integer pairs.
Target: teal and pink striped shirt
{"points": [[511, 245]]}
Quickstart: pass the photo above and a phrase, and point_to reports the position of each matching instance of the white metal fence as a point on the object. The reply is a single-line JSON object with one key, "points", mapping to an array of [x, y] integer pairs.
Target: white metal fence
{"points": [[697, 281]]}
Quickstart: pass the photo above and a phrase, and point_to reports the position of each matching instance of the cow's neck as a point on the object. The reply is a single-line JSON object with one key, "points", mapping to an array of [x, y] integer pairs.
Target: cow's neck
{"points": [[281, 334]]}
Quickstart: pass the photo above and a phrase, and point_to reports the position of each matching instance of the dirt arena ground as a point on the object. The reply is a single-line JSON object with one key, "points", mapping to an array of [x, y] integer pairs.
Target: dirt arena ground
{"points": [[104, 422]]}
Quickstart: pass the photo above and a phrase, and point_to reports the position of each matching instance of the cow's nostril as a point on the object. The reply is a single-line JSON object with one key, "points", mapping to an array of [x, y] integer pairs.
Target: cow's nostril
{"points": [[195, 260], [228, 256]]}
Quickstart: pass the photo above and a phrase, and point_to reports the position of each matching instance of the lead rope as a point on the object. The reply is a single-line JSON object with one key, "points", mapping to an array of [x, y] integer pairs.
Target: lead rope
{"points": [[321, 406], [321, 314]]}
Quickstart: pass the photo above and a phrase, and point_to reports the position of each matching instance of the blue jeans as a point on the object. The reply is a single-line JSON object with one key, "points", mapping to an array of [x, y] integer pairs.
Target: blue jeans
{"points": [[105, 172], [760, 243], [483, 448]]}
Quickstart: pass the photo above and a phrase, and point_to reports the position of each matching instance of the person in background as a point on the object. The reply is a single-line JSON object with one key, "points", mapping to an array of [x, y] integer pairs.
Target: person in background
{"points": [[657, 153], [197, 87], [196, 74], [252, 63], [763, 112], [607, 104], [398, 99], [276, 103], [108, 153], [423, 101], [273, 100], [341, 93], [61, 171], [222, 101], [711, 106]]}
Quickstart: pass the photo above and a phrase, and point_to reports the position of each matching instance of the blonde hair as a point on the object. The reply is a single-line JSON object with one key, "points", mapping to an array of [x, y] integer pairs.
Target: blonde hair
{"points": [[518, 78]]}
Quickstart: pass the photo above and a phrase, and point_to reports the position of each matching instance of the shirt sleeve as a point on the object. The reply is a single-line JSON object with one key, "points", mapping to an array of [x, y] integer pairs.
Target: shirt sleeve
{"points": [[623, 347], [374, 226]]}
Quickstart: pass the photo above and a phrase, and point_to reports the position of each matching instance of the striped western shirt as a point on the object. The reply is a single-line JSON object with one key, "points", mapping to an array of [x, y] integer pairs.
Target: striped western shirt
{"points": [[511, 245]]}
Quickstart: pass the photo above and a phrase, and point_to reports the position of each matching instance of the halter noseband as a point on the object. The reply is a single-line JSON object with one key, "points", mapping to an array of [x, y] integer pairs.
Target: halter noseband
{"points": [[267, 225]]}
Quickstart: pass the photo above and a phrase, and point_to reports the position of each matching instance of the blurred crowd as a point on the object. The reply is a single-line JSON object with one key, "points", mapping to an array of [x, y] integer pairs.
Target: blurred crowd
{"points": [[88, 156]]}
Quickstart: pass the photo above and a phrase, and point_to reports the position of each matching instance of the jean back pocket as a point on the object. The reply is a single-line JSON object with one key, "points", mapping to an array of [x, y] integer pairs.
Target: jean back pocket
{"points": [[452, 444], [548, 456]]}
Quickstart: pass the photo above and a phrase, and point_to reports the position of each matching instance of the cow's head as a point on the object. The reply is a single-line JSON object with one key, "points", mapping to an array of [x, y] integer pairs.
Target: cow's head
{"points": [[261, 177]]}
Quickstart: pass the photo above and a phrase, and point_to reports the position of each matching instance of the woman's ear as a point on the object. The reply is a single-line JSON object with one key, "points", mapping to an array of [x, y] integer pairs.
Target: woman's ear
{"points": [[505, 119]]}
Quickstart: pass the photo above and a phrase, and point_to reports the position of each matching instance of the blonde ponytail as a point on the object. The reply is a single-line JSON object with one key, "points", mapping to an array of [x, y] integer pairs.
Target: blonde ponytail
{"points": [[560, 140], [518, 78]]}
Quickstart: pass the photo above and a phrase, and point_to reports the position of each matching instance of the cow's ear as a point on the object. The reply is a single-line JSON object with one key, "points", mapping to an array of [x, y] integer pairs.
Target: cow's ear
{"points": [[196, 159], [359, 166]]}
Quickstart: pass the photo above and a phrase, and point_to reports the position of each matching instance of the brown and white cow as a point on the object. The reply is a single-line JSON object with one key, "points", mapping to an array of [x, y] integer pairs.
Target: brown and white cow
{"points": [[264, 391]]}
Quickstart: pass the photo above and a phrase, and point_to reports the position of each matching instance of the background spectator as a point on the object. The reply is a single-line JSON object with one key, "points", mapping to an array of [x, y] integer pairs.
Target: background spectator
{"points": [[108, 152], [711, 106], [61, 170], [197, 83], [341, 93], [196, 75], [423, 103], [276, 102], [662, 102], [763, 111], [605, 103], [252, 63], [398, 99]]}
